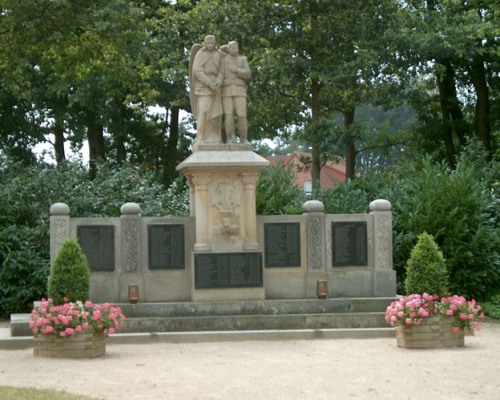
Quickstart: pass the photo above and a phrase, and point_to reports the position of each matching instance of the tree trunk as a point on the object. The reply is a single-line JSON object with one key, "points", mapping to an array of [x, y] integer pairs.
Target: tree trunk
{"points": [[121, 151], [483, 124], [443, 87], [350, 144], [446, 124], [95, 136], [455, 109], [59, 136], [172, 153], [315, 109]]}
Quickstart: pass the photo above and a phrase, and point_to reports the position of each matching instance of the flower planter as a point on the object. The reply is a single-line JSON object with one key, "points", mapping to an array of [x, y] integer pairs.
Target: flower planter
{"points": [[431, 333], [85, 344]]}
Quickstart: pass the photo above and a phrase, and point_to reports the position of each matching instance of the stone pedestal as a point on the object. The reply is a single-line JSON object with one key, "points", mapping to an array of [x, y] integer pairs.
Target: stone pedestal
{"points": [[222, 180]]}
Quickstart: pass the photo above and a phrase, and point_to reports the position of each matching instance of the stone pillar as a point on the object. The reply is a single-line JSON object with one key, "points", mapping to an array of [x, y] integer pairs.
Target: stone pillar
{"points": [[131, 234], [59, 228], [384, 275], [200, 183], [315, 244], [249, 182], [315, 235]]}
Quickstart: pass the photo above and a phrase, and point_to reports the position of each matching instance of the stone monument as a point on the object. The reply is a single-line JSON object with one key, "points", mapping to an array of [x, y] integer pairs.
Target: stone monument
{"points": [[222, 179]]}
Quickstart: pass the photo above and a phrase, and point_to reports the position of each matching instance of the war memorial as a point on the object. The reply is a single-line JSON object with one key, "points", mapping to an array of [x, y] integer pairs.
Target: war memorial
{"points": [[223, 262]]}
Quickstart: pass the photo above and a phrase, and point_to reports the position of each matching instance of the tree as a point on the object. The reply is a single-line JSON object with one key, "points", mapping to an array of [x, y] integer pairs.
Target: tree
{"points": [[426, 268], [85, 67], [458, 43], [70, 275]]}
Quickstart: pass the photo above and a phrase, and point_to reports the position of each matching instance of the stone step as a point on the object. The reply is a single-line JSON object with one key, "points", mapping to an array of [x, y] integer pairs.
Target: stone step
{"points": [[255, 322], [345, 313], [263, 307]]}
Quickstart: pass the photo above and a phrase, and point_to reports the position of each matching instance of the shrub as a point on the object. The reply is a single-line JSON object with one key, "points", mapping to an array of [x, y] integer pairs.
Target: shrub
{"points": [[459, 208], [70, 276], [426, 270], [276, 192]]}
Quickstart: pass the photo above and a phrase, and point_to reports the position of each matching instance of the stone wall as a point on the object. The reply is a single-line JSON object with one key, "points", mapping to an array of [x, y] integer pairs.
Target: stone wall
{"points": [[352, 253]]}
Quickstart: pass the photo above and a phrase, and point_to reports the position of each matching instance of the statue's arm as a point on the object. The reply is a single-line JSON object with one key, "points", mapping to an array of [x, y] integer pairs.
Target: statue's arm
{"points": [[220, 74], [198, 71], [244, 69]]}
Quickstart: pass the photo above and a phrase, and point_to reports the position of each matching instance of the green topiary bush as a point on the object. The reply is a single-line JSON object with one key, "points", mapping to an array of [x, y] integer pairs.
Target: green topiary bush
{"points": [[426, 268], [70, 274]]}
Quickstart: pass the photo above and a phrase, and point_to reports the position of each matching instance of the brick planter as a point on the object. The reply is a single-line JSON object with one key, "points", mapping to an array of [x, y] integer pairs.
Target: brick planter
{"points": [[86, 344], [432, 333]]}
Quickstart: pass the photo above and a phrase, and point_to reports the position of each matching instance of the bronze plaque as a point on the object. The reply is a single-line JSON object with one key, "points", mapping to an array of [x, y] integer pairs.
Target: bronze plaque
{"points": [[166, 246], [98, 245], [282, 244], [350, 244], [228, 270]]}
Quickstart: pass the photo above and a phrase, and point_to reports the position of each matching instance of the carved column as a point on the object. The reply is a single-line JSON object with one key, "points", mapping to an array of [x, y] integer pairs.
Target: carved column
{"points": [[382, 225], [315, 235], [384, 275], [249, 182], [59, 228], [131, 230], [200, 183]]}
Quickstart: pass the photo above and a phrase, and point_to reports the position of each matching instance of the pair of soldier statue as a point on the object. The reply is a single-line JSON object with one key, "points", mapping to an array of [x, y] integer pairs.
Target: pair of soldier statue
{"points": [[218, 87]]}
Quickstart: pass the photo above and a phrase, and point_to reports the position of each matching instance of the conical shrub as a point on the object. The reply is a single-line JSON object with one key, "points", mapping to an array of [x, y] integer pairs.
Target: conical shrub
{"points": [[426, 268], [70, 274]]}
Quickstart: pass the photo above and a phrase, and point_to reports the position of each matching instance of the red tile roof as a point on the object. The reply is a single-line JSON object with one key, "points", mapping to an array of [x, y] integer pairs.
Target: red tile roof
{"points": [[332, 172]]}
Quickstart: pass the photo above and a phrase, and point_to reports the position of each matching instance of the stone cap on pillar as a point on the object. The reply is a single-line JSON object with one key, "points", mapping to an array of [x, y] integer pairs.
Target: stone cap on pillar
{"points": [[222, 160]]}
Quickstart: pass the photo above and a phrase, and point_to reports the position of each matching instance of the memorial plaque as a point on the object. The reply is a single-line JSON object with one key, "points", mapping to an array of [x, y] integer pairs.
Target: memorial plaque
{"points": [[350, 244], [166, 246], [282, 244], [98, 245], [228, 270]]}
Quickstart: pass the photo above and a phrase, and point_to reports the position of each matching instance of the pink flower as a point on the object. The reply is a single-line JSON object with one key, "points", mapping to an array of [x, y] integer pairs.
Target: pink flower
{"points": [[47, 329], [455, 329], [69, 331]]}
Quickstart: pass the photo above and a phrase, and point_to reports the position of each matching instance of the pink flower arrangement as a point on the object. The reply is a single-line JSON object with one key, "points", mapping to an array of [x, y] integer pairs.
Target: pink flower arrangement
{"points": [[69, 318], [412, 309]]}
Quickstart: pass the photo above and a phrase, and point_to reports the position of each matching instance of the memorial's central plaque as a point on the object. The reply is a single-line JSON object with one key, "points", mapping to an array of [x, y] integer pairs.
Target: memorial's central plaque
{"points": [[166, 246], [349, 245], [282, 244], [98, 245], [228, 270]]}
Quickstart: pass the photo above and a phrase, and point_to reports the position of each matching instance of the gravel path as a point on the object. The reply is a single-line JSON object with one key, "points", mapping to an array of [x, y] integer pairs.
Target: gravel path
{"points": [[299, 369]]}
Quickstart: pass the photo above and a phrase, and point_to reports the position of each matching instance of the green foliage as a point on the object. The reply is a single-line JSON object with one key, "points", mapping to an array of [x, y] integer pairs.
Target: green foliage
{"points": [[353, 196], [24, 267], [457, 207], [492, 307], [70, 275], [426, 269], [276, 192], [27, 192]]}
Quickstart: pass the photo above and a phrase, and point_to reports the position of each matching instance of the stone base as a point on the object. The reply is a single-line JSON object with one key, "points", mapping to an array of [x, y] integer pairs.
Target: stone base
{"points": [[224, 147], [86, 344], [431, 333]]}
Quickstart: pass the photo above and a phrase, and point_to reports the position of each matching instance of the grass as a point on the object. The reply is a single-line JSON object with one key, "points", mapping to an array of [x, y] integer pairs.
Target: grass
{"points": [[12, 393]]}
